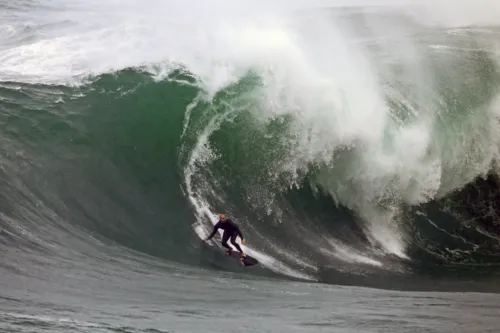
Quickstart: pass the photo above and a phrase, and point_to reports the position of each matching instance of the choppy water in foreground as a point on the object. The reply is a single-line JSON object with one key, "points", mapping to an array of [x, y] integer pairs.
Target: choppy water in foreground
{"points": [[126, 295]]}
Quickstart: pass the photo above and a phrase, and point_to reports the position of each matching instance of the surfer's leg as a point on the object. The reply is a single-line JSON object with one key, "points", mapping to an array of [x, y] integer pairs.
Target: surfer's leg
{"points": [[236, 245], [225, 238]]}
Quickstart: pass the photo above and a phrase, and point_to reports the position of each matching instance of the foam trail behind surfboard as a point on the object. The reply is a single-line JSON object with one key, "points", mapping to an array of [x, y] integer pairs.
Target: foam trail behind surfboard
{"points": [[264, 259]]}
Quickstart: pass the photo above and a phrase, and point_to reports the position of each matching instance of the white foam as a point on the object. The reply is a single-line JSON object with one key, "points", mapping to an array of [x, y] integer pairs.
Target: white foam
{"points": [[348, 254], [201, 35]]}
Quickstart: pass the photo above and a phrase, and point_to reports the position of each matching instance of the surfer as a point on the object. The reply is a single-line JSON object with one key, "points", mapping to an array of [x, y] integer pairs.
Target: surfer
{"points": [[231, 231]]}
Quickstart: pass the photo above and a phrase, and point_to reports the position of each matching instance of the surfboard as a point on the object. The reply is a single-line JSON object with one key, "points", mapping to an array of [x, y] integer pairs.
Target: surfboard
{"points": [[247, 261]]}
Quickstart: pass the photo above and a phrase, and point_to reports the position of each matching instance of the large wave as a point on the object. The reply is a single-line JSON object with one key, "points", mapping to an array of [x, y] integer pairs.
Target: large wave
{"points": [[343, 138]]}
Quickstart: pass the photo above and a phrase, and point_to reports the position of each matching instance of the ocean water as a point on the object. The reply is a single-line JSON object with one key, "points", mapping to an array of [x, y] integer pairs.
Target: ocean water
{"points": [[355, 143]]}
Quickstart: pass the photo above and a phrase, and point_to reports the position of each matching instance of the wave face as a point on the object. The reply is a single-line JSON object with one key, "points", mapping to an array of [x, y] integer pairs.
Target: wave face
{"points": [[349, 143]]}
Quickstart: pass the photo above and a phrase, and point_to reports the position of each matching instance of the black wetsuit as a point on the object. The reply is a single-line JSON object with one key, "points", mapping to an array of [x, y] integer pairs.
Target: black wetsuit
{"points": [[231, 230]]}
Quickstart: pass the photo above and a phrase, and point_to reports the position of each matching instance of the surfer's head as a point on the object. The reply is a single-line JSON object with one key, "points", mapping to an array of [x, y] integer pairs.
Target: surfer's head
{"points": [[222, 217]]}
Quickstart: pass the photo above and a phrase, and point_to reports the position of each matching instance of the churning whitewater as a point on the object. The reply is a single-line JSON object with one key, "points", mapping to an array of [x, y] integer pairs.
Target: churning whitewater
{"points": [[347, 142]]}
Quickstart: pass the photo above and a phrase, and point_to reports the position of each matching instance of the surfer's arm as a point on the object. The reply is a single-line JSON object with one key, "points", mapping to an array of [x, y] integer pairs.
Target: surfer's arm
{"points": [[239, 233], [235, 226], [216, 227], [243, 241]]}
